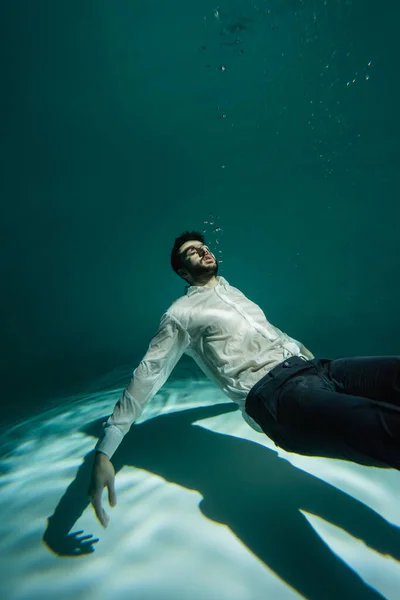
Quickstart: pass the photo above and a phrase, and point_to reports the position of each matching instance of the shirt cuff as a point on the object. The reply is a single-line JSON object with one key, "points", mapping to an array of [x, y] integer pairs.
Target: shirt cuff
{"points": [[296, 342], [110, 441]]}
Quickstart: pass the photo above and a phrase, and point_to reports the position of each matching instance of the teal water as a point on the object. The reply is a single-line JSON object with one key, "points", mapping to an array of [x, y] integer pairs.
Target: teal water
{"points": [[272, 126]]}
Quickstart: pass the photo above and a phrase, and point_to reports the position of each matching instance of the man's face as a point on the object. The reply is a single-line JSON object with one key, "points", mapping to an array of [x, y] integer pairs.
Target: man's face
{"points": [[198, 260]]}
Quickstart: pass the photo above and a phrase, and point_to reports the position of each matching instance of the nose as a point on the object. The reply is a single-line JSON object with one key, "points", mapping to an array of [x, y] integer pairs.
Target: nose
{"points": [[202, 251]]}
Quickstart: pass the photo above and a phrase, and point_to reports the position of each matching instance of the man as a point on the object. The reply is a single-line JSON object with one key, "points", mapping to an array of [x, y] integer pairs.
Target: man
{"points": [[347, 408]]}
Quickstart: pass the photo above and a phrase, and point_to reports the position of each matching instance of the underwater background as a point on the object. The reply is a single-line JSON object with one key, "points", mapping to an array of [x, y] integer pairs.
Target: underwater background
{"points": [[274, 128]]}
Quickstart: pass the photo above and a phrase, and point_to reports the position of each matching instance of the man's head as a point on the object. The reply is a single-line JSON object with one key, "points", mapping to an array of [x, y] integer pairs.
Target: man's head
{"points": [[192, 260]]}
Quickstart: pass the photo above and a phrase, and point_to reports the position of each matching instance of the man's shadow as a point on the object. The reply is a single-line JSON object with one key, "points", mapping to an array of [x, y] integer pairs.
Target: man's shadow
{"points": [[248, 488]]}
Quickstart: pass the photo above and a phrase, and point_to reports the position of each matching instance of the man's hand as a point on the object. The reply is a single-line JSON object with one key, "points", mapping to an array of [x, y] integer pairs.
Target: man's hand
{"points": [[103, 475], [307, 353]]}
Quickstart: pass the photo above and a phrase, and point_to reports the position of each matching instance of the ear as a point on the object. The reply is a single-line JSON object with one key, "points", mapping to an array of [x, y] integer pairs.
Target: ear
{"points": [[183, 273]]}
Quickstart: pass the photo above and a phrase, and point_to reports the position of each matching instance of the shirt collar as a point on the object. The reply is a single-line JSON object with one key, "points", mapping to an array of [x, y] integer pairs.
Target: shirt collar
{"points": [[192, 289]]}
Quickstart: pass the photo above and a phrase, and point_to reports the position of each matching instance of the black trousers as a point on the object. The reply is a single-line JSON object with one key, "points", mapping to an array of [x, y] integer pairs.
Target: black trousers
{"points": [[348, 408]]}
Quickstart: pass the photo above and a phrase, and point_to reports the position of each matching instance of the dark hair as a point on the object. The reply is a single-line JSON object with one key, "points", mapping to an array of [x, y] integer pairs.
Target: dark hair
{"points": [[176, 261]]}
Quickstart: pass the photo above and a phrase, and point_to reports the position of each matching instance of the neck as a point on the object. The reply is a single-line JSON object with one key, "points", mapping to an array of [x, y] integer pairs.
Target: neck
{"points": [[206, 281]]}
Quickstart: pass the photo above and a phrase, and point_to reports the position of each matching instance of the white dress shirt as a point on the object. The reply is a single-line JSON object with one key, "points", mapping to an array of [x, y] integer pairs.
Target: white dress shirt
{"points": [[227, 335]]}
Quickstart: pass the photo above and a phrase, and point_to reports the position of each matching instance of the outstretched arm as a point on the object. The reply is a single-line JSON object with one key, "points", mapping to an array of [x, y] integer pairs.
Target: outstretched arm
{"points": [[165, 350]]}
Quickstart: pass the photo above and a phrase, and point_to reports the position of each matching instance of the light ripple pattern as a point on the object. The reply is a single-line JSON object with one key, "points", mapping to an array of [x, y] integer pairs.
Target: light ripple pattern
{"points": [[207, 509]]}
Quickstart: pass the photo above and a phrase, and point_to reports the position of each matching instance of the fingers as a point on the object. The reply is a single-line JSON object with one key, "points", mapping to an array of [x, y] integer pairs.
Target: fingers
{"points": [[112, 496], [98, 509]]}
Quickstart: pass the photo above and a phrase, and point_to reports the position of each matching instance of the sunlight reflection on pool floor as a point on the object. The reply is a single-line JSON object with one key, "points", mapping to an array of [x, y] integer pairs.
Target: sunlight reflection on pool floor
{"points": [[159, 544]]}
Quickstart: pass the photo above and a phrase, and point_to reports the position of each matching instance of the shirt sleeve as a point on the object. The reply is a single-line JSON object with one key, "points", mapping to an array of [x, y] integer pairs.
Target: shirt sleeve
{"points": [[164, 351], [299, 344]]}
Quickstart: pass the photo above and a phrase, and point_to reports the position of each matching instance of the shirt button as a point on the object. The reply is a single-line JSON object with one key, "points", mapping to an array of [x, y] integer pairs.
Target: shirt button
{"points": [[286, 364]]}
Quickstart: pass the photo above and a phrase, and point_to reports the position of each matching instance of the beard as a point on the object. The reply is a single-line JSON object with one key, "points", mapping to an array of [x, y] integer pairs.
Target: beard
{"points": [[204, 269]]}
